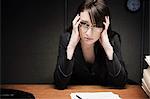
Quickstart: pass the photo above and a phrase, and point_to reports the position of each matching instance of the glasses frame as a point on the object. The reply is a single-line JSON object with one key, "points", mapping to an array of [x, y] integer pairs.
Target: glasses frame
{"points": [[84, 26]]}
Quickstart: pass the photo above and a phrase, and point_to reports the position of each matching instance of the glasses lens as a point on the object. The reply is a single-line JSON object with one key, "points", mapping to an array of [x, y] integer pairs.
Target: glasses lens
{"points": [[96, 29], [85, 27]]}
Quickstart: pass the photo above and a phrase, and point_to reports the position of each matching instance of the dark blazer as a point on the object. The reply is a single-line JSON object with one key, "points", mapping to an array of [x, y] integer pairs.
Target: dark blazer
{"points": [[101, 72]]}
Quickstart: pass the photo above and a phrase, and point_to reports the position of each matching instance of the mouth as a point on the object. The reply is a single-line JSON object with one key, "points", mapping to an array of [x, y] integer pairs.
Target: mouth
{"points": [[87, 38]]}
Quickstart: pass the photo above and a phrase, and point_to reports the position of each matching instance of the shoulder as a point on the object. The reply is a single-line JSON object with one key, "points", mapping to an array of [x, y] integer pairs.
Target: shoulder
{"points": [[65, 36], [114, 35], [115, 38]]}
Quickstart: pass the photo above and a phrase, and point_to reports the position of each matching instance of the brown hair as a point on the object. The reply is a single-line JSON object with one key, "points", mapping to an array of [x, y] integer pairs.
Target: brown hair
{"points": [[97, 10]]}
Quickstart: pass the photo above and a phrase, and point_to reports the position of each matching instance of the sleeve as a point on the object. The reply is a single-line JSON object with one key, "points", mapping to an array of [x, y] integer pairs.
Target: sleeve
{"points": [[116, 67], [64, 66]]}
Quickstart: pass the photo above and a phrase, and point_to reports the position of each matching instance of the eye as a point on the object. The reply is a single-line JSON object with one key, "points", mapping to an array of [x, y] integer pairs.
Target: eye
{"points": [[84, 24]]}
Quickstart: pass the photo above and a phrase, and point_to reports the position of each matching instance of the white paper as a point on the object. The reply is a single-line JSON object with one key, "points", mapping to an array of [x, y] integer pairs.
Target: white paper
{"points": [[94, 95], [147, 59]]}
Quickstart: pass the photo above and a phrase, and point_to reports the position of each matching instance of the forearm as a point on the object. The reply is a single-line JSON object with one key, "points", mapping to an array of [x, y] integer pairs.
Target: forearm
{"points": [[107, 48], [63, 73], [114, 66], [117, 71], [64, 66], [109, 51], [70, 51], [60, 80], [120, 80]]}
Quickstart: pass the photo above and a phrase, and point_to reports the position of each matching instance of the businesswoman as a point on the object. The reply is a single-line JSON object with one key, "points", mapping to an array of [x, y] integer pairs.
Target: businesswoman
{"points": [[91, 52]]}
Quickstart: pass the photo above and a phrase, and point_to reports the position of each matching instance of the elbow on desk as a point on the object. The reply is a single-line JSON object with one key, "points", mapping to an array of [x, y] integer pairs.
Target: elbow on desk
{"points": [[60, 86], [59, 83], [119, 82]]}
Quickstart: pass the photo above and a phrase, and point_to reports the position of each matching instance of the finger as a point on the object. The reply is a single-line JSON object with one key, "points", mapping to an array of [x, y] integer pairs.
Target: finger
{"points": [[75, 27], [77, 23], [107, 22], [76, 19], [107, 19], [104, 23]]}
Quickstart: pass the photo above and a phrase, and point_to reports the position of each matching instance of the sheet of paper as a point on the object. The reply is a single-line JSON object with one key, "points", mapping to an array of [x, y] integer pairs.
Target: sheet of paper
{"points": [[94, 95], [147, 59]]}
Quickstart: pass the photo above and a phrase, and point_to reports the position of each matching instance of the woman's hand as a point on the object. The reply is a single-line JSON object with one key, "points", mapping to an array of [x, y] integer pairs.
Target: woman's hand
{"points": [[104, 40], [74, 37], [104, 36]]}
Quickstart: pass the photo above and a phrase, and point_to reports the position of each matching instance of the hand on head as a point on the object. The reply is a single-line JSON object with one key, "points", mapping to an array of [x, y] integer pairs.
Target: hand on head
{"points": [[104, 35], [74, 37], [106, 24], [75, 32]]}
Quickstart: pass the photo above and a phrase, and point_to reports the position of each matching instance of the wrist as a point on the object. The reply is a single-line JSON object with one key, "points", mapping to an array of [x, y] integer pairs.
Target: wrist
{"points": [[70, 51], [71, 45], [109, 52], [104, 39]]}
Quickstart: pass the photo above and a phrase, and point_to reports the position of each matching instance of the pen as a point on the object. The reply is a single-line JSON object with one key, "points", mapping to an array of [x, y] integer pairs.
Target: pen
{"points": [[78, 97]]}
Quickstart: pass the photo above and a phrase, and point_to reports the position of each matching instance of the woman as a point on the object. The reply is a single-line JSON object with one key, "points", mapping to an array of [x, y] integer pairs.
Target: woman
{"points": [[91, 52]]}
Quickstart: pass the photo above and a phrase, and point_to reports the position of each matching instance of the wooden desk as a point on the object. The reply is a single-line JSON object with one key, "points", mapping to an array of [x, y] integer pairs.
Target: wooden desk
{"points": [[42, 91]]}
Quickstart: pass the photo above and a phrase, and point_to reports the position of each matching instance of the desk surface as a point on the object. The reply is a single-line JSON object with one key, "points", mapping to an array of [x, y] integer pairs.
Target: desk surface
{"points": [[45, 91]]}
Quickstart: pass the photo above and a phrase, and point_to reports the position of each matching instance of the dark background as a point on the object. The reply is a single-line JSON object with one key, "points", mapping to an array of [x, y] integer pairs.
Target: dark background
{"points": [[31, 29]]}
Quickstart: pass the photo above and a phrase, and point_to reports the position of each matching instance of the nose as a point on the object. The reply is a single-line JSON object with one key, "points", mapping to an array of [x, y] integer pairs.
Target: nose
{"points": [[89, 32]]}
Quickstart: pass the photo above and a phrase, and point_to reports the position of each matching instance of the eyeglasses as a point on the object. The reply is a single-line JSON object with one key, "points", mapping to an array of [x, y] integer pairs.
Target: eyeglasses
{"points": [[85, 27]]}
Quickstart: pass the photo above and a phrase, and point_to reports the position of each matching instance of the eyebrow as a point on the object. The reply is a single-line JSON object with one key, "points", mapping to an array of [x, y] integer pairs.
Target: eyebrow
{"points": [[88, 23], [84, 21]]}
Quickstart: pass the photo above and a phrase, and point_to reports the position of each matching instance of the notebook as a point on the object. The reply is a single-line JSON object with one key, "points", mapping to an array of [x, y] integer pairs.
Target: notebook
{"points": [[94, 95]]}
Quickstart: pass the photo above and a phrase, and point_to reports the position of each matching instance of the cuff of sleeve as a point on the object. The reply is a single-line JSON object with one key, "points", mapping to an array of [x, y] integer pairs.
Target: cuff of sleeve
{"points": [[114, 66], [65, 75], [66, 70]]}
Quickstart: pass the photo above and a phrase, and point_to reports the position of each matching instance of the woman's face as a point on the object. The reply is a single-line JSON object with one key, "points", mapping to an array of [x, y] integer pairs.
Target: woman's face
{"points": [[89, 34]]}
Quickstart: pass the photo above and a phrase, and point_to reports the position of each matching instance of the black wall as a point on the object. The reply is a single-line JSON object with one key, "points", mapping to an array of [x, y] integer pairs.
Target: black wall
{"points": [[30, 38], [146, 32], [0, 41], [31, 30]]}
